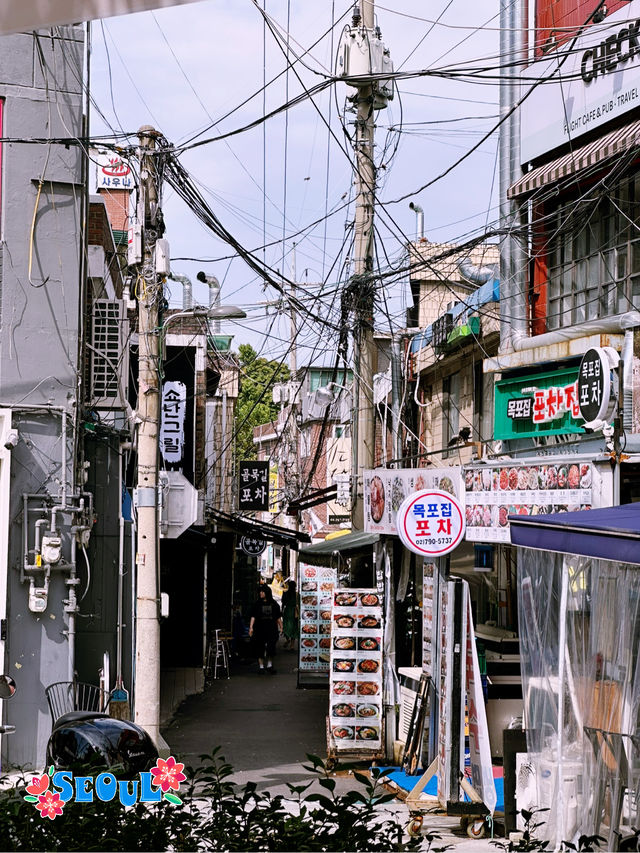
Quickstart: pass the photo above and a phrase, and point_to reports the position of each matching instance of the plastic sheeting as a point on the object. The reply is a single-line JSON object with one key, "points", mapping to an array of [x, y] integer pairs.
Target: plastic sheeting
{"points": [[579, 637]]}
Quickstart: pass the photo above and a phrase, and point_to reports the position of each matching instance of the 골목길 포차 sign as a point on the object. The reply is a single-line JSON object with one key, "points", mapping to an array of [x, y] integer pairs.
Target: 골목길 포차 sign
{"points": [[431, 523]]}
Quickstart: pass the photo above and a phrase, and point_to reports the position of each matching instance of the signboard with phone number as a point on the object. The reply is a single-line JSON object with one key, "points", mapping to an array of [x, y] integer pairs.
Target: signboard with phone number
{"points": [[431, 523]]}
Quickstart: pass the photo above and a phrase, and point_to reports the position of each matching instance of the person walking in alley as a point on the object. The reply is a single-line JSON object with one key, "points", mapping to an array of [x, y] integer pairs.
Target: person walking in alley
{"points": [[290, 615], [264, 627]]}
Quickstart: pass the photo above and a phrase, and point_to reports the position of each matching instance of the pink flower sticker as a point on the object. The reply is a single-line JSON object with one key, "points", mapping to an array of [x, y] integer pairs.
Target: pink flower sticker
{"points": [[49, 805], [168, 774], [38, 785]]}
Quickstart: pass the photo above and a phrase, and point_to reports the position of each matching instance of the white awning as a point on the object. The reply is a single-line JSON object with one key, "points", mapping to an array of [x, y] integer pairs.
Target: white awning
{"points": [[604, 148]]}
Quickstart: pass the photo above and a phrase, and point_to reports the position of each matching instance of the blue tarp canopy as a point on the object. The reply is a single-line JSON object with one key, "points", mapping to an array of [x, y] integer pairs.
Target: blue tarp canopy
{"points": [[607, 534]]}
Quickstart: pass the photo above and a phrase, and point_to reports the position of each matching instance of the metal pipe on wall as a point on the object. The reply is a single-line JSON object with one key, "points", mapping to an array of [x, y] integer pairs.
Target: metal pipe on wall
{"points": [[513, 264]]}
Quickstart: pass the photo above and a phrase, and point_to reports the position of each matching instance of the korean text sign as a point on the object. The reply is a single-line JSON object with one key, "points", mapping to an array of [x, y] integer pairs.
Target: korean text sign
{"points": [[431, 523], [174, 404], [253, 486]]}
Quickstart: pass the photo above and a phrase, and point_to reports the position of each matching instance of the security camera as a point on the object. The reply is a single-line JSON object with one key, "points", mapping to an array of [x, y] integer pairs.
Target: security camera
{"points": [[12, 439]]}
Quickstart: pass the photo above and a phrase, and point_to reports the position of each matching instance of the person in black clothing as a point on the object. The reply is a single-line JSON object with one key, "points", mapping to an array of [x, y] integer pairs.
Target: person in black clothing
{"points": [[264, 627]]}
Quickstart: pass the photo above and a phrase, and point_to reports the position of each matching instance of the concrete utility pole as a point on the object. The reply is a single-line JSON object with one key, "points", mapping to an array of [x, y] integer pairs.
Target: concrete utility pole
{"points": [[293, 443], [147, 675], [365, 354]]}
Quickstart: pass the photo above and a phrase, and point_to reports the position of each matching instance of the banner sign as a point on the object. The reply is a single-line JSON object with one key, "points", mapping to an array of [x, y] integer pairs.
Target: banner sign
{"points": [[316, 600], [431, 523], [446, 605], [355, 696], [479, 745], [494, 493], [174, 406], [589, 82], [253, 486], [386, 488]]}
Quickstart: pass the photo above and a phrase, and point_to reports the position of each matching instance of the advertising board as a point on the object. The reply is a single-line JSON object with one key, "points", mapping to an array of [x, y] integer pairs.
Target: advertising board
{"points": [[386, 488], [494, 492], [587, 83]]}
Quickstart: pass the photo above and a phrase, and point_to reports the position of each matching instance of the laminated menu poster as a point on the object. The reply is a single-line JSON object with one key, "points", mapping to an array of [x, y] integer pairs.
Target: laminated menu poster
{"points": [[316, 599], [495, 493], [355, 689], [385, 489]]}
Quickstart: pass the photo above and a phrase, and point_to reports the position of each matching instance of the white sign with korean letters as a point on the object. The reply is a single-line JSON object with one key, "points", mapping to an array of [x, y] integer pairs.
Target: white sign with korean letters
{"points": [[174, 405], [113, 172], [431, 523], [587, 83]]}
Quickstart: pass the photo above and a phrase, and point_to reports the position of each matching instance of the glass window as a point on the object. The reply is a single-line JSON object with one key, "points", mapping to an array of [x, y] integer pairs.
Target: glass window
{"points": [[594, 255]]}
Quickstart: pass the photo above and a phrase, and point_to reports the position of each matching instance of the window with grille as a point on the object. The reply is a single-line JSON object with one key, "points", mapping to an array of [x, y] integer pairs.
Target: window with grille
{"points": [[594, 255], [108, 357]]}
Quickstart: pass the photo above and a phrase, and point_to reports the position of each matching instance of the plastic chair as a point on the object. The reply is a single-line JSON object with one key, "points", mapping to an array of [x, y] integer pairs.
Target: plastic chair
{"points": [[64, 697]]}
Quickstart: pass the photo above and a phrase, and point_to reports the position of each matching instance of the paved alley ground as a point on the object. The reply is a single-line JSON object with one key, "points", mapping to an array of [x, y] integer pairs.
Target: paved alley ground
{"points": [[266, 726]]}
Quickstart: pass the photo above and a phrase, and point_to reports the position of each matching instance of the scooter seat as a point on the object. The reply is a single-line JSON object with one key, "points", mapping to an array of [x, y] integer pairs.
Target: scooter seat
{"points": [[78, 716]]}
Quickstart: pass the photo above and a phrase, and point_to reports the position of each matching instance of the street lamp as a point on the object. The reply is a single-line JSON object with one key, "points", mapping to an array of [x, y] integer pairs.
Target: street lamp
{"points": [[211, 312], [215, 312]]}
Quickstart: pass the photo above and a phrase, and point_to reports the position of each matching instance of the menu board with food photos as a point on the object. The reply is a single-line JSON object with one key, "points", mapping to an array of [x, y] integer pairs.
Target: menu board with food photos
{"points": [[386, 488], [316, 599], [493, 493], [355, 695]]}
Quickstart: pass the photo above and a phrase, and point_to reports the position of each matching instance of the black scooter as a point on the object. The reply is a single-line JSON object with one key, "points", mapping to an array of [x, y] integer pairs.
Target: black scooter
{"points": [[82, 739]]}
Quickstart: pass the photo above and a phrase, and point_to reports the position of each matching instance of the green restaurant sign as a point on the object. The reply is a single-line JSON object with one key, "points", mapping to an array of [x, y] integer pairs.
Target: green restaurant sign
{"points": [[538, 404]]}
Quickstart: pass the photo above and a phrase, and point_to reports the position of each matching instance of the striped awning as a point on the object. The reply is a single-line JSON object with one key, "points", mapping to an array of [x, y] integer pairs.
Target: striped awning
{"points": [[612, 144]]}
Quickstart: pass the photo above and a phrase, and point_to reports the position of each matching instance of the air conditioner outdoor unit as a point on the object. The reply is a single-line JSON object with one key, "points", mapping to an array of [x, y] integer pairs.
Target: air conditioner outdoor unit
{"points": [[109, 355]]}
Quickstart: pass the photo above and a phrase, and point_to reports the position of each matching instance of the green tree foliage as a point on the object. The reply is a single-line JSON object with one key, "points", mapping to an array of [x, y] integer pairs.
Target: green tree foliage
{"points": [[255, 405]]}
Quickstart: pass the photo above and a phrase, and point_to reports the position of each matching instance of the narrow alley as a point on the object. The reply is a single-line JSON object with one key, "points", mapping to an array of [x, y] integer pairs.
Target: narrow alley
{"points": [[265, 724]]}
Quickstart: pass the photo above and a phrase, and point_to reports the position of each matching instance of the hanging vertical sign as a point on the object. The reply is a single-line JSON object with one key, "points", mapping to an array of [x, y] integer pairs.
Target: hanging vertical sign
{"points": [[253, 488], [595, 396], [174, 405]]}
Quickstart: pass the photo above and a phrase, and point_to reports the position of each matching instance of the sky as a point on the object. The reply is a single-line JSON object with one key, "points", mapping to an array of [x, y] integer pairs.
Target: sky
{"points": [[186, 68]]}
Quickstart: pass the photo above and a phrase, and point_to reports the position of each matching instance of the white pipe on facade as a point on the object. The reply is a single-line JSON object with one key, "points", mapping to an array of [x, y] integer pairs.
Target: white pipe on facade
{"points": [[477, 274], [63, 430], [419, 219], [223, 460], [187, 290], [627, 379], [612, 325], [120, 596], [214, 294], [72, 606], [513, 46]]}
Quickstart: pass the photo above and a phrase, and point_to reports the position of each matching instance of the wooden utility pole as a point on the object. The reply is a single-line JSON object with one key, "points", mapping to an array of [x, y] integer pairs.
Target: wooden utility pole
{"points": [[149, 290], [365, 355]]}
